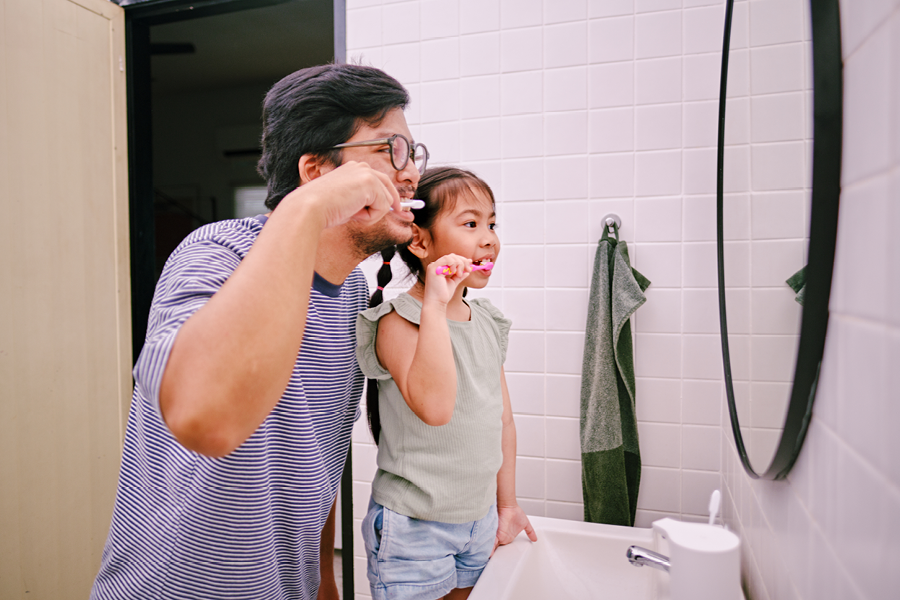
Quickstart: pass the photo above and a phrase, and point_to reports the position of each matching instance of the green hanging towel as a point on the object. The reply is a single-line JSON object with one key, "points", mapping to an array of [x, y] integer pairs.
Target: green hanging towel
{"points": [[610, 455], [797, 281]]}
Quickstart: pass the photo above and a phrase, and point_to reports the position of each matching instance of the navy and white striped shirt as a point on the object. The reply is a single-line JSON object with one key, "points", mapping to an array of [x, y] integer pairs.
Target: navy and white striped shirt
{"points": [[247, 525]]}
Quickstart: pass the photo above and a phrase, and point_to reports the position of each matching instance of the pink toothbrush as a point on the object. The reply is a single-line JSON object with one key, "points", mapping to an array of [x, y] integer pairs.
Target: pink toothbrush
{"points": [[445, 270]]}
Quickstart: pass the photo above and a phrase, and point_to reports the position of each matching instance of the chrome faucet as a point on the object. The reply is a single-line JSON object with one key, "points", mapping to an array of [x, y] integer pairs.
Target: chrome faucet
{"points": [[641, 557]]}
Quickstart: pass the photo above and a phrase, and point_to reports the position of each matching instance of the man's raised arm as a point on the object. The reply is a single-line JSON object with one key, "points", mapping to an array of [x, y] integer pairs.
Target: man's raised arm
{"points": [[233, 358]]}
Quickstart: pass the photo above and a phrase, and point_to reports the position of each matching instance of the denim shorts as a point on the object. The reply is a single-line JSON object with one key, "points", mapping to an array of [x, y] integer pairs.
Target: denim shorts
{"points": [[411, 559]]}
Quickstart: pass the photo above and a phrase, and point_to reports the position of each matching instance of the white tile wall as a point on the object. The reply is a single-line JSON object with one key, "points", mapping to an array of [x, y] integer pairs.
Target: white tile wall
{"points": [[658, 173], [660, 400], [657, 220], [657, 442], [563, 395], [658, 127], [612, 175], [573, 109], [521, 49], [525, 307], [559, 11], [439, 19], [611, 40], [658, 80], [565, 89], [526, 391], [565, 45], [611, 85], [520, 93], [565, 133], [657, 34], [520, 13], [701, 80], [703, 30], [478, 15], [566, 178], [575, 304]]}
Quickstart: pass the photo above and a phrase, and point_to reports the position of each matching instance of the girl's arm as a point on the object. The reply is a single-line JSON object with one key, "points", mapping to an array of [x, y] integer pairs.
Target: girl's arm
{"points": [[512, 518], [420, 359]]}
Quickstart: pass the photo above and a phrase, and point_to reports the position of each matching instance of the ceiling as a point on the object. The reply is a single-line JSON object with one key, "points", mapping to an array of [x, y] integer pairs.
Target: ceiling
{"points": [[241, 48]]}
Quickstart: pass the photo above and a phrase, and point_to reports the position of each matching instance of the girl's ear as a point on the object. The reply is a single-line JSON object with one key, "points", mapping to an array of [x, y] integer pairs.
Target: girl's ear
{"points": [[420, 243], [312, 167]]}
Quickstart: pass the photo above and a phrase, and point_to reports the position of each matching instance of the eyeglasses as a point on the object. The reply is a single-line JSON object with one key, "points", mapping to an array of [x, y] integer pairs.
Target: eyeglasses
{"points": [[401, 151]]}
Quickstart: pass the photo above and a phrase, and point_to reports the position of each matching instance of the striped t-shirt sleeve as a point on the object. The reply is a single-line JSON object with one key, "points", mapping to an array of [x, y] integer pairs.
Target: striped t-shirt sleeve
{"points": [[192, 275]]}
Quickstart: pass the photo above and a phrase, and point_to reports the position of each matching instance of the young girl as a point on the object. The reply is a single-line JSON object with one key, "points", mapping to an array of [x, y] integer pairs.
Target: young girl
{"points": [[444, 494]]}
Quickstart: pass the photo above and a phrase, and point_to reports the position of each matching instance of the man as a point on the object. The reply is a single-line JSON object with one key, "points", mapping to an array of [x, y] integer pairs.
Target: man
{"points": [[247, 387]]}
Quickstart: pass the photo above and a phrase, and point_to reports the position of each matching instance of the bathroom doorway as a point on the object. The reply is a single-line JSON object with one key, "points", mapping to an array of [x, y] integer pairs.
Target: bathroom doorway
{"points": [[198, 71], [197, 75]]}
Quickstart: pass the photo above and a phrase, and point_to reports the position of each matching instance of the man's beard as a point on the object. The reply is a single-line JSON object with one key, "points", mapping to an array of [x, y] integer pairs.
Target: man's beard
{"points": [[370, 241]]}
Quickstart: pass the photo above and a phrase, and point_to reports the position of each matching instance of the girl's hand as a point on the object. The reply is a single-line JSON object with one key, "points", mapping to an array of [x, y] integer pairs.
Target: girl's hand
{"points": [[440, 288], [510, 521]]}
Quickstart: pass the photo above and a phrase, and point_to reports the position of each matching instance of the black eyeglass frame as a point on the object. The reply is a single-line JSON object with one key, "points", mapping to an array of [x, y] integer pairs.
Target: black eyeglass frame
{"points": [[390, 142]]}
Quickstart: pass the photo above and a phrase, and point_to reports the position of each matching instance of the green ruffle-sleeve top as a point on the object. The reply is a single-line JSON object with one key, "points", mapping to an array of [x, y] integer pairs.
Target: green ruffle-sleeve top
{"points": [[446, 473]]}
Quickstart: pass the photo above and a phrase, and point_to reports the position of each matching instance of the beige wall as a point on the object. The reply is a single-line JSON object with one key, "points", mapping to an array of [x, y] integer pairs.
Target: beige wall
{"points": [[64, 298]]}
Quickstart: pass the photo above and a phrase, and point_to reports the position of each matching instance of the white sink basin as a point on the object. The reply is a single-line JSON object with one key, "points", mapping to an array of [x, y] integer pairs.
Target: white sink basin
{"points": [[571, 561]]}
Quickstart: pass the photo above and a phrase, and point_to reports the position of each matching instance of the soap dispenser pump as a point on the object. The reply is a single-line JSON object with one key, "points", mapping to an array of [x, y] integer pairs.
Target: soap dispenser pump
{"points": [[705, 562]]}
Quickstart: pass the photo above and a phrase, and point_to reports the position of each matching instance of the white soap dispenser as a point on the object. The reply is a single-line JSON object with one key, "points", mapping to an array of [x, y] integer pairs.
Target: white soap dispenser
{"points": [[705, 561]]}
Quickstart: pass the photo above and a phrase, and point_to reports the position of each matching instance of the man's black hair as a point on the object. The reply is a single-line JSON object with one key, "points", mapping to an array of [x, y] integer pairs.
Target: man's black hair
{"points": [[312, 110]]}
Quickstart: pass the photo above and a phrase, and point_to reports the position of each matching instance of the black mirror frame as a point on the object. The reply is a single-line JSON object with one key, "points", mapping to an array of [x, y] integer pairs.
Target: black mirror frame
{"points": [[826, 189]]}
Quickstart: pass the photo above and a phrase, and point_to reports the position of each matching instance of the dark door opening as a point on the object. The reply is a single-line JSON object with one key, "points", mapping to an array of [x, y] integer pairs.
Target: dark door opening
{"points": [[198, 71], [197, 74]]}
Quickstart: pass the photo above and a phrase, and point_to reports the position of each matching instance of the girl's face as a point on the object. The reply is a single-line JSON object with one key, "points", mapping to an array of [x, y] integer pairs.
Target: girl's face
{"points": [[469, 230]]}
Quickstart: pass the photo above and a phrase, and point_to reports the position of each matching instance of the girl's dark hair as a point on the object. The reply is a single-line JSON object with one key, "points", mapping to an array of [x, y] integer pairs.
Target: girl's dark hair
{"points": [[439, 188], [384, 277], [312, 110]]}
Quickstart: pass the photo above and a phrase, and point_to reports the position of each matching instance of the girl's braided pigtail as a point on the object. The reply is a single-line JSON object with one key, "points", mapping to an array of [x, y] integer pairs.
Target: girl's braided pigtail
{"points": [[384, 277]]}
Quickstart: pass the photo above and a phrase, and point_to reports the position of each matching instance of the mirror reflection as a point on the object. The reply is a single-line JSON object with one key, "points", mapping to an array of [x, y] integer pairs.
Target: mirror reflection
{"points": [[767, 191]]}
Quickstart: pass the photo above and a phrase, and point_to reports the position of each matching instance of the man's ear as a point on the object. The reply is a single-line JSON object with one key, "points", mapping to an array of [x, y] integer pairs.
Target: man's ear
{"points": [[312, 167], [420, 243]]}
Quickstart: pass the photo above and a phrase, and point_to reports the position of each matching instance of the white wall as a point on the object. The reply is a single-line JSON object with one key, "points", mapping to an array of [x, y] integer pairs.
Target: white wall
{"points": [[832, 530], [572, 109]]}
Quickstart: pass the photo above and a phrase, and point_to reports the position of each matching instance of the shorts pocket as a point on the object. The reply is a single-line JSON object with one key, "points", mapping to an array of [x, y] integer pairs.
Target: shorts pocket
{"points": [[372, 529], [380, 525]]}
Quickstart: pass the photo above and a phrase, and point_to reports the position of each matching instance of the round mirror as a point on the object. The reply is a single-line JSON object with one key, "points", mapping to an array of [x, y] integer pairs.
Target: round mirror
{"points": [[778, 186]]}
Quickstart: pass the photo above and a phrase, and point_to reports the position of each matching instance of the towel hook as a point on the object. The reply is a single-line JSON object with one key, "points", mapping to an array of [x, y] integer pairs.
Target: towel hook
{"points": [[612, 219]]}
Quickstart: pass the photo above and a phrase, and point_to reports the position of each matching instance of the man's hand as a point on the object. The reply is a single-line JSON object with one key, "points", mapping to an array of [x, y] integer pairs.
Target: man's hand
{"points": [[512, 520], [353, 191]]}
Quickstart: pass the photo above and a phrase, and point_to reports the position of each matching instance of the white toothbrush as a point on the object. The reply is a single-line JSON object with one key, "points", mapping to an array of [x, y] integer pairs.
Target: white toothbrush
{"points": [[714, 506], [414, 204]]}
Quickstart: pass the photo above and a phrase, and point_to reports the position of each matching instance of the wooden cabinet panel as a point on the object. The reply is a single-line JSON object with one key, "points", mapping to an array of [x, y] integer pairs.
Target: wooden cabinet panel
{"points": [[65, 348]]}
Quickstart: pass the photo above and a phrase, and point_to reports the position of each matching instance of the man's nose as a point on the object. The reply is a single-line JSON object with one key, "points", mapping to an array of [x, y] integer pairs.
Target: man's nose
{"points": [[410, 172]]}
